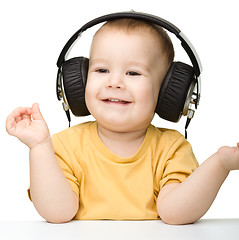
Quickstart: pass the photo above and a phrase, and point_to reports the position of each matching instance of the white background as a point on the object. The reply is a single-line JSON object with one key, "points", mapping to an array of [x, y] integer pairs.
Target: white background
{"points": [[32, 36]]}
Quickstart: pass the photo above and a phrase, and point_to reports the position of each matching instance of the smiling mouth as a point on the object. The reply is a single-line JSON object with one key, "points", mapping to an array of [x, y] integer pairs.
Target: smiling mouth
{"points": [[115, 100]]}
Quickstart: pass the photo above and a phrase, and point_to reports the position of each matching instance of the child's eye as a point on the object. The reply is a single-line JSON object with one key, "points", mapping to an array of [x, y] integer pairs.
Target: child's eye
{"points": [[132, 73], [101, 70]]}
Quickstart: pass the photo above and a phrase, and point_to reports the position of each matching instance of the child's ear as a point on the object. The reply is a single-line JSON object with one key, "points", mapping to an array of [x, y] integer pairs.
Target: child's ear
{"points": [[174, 91], [74, 73]]}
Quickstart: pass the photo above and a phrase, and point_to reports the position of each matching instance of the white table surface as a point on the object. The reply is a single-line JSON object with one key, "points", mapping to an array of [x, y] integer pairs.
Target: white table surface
{"points": [[204, 229]]}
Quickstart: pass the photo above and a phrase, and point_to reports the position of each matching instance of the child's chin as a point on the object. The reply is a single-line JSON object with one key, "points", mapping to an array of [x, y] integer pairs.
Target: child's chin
{"points": [[115, 125]]}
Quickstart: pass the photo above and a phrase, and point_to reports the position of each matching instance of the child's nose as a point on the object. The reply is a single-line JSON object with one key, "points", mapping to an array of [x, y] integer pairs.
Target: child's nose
{"points": [[116, 81]]}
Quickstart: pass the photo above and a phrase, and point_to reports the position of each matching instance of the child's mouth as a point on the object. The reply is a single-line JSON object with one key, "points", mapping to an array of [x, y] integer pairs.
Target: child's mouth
{"points": [[115, 100]]}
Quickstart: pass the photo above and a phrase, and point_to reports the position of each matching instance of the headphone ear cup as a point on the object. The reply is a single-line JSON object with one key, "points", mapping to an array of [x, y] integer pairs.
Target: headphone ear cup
{"points": [[174, 90], [74, 73]]}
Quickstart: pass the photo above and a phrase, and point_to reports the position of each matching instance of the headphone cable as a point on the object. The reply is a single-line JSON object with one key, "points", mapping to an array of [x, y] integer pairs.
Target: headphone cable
{"points": [[68, 117], [189, 118]]}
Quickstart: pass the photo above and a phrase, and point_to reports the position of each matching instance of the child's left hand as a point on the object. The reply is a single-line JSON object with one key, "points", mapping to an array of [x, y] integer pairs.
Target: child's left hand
{"points": [[229, 157]]}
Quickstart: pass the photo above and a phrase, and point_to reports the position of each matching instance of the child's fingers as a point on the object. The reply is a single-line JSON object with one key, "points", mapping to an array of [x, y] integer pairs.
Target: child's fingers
{"points": [[10, 123], [17, 115], [19, 112], [36, 114]]}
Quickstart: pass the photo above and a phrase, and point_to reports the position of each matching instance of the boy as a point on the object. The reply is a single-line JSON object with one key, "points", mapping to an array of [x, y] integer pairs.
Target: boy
{"points": [[120, 166]]}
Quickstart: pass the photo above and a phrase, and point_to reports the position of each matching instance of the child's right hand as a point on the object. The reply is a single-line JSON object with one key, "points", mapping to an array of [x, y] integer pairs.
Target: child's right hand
{"points": [[28, 125]]}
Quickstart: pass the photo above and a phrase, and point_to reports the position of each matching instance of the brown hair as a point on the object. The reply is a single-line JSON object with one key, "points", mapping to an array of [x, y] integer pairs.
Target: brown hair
{"points": [[134, 25]]}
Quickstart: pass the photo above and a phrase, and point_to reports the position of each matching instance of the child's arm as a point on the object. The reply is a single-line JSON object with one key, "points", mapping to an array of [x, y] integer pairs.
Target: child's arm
{"points": [[186, 202], [50, 191]]}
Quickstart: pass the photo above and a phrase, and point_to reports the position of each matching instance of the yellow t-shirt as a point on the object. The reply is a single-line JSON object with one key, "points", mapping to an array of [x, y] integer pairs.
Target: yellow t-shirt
{"points": [[113, 187]]}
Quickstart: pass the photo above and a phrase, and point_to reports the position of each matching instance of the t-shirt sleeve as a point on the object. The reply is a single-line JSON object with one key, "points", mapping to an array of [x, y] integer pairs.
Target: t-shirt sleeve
{"points": [[66, 160], [179, 162]]}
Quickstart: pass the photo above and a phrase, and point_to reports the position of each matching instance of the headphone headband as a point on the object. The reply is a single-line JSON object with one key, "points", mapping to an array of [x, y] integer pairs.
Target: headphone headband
{"points": [[186, 44]]}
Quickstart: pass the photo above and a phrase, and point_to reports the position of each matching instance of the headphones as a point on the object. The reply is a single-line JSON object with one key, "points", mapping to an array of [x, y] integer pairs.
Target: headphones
{"points": [[179, 92]]}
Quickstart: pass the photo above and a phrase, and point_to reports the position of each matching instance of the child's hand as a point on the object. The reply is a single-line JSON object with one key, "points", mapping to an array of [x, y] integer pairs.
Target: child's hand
{"points": [[229, 157], [28, 125]]}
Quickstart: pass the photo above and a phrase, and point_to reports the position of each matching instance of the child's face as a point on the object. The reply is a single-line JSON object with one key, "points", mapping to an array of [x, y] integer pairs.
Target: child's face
{"points": [[124, 78]]}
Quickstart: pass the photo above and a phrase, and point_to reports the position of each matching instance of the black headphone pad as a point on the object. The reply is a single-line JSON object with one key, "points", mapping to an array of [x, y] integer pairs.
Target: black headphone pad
{"points": [[74, 73], [174, 91]]}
